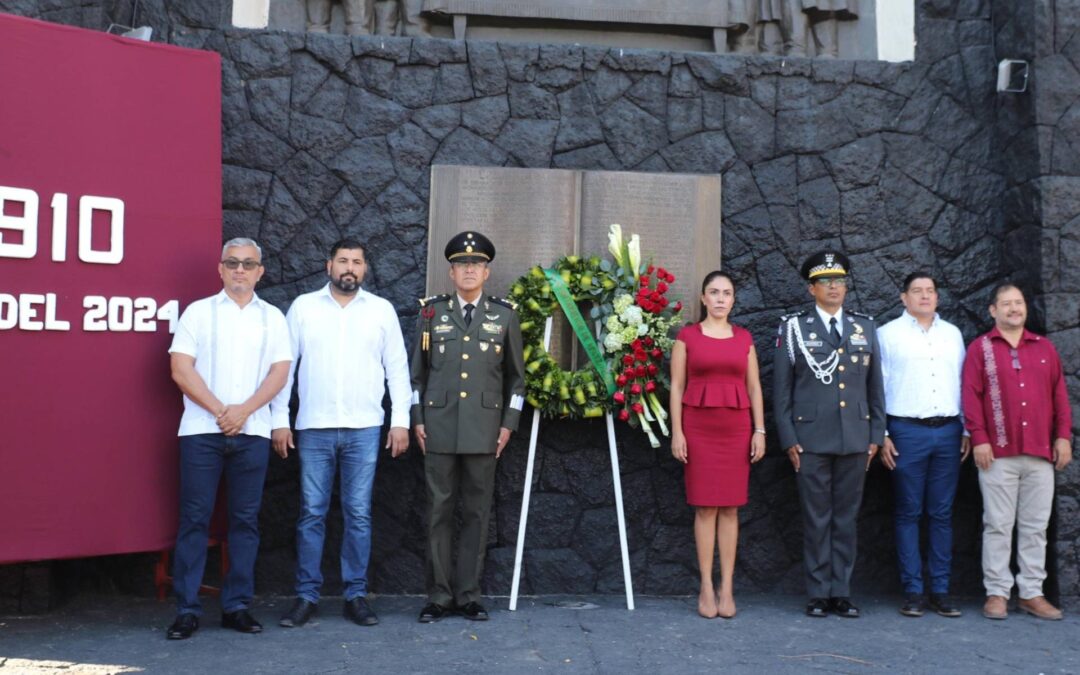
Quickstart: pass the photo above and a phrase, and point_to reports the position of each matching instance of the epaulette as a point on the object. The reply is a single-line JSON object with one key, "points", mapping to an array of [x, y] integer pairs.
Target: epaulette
{"points": [[860, 315], [435, 298], [792, 315], [503, 301]]}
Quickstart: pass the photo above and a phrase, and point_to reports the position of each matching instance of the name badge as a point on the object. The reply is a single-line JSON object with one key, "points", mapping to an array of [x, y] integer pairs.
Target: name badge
{"points": [[814, 343], [491, 327], [444, 328], [859, 340]]}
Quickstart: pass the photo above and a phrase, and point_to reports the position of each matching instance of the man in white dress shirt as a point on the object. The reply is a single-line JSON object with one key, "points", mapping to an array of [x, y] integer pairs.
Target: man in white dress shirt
{"points": [[230, 356], [349, 345], [921, 360]]}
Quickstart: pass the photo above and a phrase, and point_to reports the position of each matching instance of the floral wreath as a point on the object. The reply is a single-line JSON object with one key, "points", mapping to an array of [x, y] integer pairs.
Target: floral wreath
{"points": [[549, 388]]}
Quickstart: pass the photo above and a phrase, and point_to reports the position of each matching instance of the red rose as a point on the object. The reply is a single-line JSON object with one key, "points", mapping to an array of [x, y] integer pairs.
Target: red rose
{"points": [[644, 279], [650, 386], [670, 278], [661, 272], [635, 389], [657, 354], [664, 302], [624, 415], [638, 408], [678, 306], [648, 341], [620, 397], [641, 356], [652, 369], [636, 345], [620, 380], [629, 373], [662, 287], [640, 371], [655, 296], [650, 270], [628, 359]]}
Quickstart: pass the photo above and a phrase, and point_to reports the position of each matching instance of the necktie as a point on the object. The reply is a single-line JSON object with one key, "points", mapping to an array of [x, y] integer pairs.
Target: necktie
{"points": [[468, 313], [833, 332]]}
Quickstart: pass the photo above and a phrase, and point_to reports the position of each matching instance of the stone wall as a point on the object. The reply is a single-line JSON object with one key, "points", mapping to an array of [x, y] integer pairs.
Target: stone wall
{"points": [[904, 166]]}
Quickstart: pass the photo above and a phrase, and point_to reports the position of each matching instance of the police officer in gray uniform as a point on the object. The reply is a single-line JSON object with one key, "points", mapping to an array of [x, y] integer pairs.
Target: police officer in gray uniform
{"points": [[829, 400], [468, 380]]}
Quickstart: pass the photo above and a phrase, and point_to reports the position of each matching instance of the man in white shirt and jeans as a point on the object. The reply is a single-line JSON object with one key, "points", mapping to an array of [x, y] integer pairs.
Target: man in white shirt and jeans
{"points": [[348, 343], [230, 356], [922, 356]]}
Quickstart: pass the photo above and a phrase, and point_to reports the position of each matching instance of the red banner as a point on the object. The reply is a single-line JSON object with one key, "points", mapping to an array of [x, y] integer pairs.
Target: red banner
{"points": [[110, 221]]}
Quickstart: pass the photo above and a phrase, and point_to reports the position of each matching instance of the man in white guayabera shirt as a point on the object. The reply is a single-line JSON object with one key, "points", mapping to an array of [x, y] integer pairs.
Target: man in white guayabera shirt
{"points": [[921, 359], [349, 346], [230, 356]]}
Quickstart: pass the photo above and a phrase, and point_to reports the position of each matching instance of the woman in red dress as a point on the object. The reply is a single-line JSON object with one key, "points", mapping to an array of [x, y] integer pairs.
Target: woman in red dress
{"points": [[715, 396]]}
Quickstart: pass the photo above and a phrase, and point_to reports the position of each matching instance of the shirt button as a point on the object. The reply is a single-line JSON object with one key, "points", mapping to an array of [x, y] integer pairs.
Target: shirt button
{"points": [[466, 338], [840, 351], [840, 368], [464, 394], [843, 404], [841, 385]]}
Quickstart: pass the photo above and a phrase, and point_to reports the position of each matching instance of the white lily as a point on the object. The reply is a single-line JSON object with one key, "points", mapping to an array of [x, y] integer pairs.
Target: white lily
{"points": [[635, 253], [615, 242]]}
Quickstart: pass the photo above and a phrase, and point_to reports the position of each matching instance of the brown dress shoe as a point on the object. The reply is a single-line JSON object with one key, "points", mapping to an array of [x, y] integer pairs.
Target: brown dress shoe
{"points": [[1040, 608], [996, 607]]}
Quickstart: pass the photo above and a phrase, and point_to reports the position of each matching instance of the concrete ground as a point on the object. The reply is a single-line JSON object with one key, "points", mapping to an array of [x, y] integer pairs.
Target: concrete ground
{"points": [[547, 634]]}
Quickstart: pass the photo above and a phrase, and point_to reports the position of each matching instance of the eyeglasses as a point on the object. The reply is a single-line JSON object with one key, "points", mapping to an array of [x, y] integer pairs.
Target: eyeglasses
{"points": [[833, 281], [233, 263], [469, 265], [1015, 358]]}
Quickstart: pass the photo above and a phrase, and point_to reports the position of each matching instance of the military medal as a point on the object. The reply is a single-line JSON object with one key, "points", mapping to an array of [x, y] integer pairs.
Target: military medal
{"points": [[442, 349], [498, 348], [483, 346], [854, 358], [444, 318], [822, 370]]}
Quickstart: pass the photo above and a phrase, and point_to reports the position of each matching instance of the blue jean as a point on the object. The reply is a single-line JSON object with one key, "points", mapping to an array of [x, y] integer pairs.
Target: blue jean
{"points": [[927, 470], [321, 451], [203, 459]]}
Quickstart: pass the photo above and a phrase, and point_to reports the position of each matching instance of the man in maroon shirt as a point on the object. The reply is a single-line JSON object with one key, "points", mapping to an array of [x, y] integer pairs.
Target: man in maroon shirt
{"points": [[1017, 410]]}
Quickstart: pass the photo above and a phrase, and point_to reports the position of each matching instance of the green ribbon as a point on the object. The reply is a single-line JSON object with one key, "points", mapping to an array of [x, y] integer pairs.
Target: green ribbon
{"points": [[581, 329]]}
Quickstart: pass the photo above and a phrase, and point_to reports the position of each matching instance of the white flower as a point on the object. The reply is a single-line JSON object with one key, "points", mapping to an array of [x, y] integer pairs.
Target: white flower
{"points": [[635, 253], [631, 316], [615, 242], [613, 342], [613, 323], [622, 302], [642, 329]]}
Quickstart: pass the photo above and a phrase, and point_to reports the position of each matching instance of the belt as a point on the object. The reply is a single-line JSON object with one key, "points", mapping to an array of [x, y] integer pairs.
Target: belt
{"points": [[926, 421]]}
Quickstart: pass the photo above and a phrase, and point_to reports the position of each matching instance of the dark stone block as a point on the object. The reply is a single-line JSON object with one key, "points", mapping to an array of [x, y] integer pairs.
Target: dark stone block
{"points": [[530, 101], [454, 83], [244, 188], [529, 141], [268, 102], [720, 72], [240, 224], [650, 94], [978, 265], [487, 69], [683, 117], [371, 115], [344, 207], [395, 49], [706, 152], [559, 571], [814, 129], [682, 83], [1053, 82], [607, 85], [307, 78], [438, 52], [485, 116], [375, 74], [869, 109], [438, 120], [935, 39], [948, 75], [553, 518], [955, 229], [414, 86], [794, 93], [819, 209], [366, 165], [739, 193], [464, 147], [329, 100], [777, 180], [916, 113], [499, 573], [591, 157], [976, 32], [333, 50], [261, 55], [810, 167], [856, 164], [251, 145], [412, 150], [780, 283], [520, 60], [632, 134], [918, 159], [752, 130], [324, 139], [712, 109]]}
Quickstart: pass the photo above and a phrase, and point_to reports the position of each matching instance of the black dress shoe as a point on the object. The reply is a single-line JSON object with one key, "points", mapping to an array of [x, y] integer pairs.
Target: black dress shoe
{"points": [[474, 611], [299, 614], [817, 607], [940, 603], [242, 621], [183, 627], [914, 605], [842, 607], [432, 613], [358, 611]]}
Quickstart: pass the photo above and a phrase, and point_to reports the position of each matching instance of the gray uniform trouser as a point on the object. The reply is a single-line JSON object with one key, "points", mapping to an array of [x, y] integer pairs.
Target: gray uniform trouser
{"points": [[472, 477], [830, 491]]}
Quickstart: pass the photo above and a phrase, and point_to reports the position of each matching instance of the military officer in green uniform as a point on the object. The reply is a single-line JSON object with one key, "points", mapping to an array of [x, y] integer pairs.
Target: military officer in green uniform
{"points": [[468, 380], [829, 400]]}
